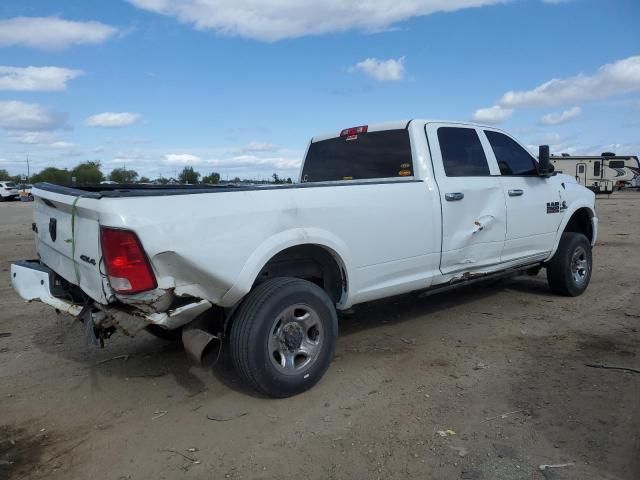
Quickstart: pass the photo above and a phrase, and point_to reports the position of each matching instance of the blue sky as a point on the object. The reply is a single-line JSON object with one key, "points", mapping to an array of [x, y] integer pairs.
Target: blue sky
{"points": [[239, 86]]}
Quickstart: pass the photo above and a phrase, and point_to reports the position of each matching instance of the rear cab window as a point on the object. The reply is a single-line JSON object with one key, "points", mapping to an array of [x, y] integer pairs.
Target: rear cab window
{"points": [[462, 152], [9, 184], [366, 156]]}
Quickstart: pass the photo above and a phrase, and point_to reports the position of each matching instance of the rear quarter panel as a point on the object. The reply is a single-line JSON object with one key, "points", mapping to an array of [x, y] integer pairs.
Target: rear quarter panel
{"points": [[212, 245]]}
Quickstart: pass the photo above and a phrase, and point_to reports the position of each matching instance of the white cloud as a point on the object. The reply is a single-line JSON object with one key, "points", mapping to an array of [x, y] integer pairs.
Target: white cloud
{"points": [[611, 79], [259, 147], [181, 159], [551, 138], [35, 79], [391, 70], [52, 33], [561, 117], [112, 119], [40, 139], [273, 20], [619, 148], [16, 115], [492, 115], [62, 145], [244, 161], [33, 138], [130, 156]]}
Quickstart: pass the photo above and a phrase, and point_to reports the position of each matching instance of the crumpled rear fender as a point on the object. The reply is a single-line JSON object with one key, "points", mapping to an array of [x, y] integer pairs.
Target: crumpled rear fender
{"points": [[276, 244]]}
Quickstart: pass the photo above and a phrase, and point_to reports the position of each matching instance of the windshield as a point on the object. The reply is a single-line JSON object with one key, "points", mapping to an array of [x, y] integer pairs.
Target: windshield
{"points": [[9, 185]]}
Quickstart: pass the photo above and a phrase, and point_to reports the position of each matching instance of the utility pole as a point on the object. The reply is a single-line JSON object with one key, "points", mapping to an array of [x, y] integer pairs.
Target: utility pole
{"points": [[28, 172]]}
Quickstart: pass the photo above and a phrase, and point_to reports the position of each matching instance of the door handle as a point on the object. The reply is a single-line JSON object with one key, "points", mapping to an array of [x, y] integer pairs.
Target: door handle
{"points": [[453, 197], [516, 193]]}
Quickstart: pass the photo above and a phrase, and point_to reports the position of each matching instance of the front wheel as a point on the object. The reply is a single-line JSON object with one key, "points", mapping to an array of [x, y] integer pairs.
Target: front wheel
{"points": [[283, 336], [569, 270]]}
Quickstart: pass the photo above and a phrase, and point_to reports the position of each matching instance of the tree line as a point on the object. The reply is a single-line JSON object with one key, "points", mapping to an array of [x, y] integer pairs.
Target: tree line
{"points": [[89, 172]]}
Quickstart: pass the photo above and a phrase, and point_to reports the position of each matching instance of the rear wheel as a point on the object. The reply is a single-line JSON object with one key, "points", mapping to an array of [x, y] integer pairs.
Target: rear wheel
{"points": [[283, 336], [569, 270]]}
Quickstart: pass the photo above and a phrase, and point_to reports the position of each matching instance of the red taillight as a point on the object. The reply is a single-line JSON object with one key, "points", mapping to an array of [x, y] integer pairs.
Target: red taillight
{"points": [[126, 263], [350, 132]]}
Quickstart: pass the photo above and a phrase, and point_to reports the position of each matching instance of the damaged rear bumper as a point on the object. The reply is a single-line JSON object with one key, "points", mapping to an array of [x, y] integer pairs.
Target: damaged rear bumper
{"points": [[34, 281]]}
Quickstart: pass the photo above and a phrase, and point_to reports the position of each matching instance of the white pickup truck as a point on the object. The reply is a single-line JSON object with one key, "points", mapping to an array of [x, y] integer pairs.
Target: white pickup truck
{"points": [[379, 210]]}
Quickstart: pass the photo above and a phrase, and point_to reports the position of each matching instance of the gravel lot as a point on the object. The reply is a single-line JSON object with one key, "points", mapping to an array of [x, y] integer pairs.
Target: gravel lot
{"points": [[501, 365]]}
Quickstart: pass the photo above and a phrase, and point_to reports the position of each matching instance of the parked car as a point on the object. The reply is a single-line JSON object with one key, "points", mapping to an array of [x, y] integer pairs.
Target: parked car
{"points": [[378, 211], [8, 191]]}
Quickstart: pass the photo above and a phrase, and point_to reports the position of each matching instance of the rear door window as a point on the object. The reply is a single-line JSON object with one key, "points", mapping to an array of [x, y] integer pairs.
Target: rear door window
{"points": [[462, 152], [371, 155], [511, 157]]}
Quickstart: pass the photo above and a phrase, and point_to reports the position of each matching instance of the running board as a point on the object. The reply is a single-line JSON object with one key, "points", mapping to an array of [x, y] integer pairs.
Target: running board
{"points": [[472, 279]]}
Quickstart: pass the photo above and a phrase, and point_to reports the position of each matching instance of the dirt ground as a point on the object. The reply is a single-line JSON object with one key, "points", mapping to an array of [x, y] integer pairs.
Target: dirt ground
{"points": [[501, 365]]}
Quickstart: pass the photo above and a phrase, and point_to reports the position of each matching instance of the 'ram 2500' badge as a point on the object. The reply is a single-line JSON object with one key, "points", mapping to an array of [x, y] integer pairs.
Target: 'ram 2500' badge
{"points": [[553, 207], [556, 207]]}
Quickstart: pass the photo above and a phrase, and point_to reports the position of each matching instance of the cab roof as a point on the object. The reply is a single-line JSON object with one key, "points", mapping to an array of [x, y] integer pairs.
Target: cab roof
{"points": [[396, 125]]}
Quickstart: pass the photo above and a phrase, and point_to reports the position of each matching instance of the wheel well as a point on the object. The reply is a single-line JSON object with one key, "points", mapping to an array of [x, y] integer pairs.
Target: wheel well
{"points": [[580, 222], [309, 262]]}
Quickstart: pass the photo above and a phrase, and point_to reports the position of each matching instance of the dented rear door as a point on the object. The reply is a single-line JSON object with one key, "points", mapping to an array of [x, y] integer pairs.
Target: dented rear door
{"points": [[472, 199]]}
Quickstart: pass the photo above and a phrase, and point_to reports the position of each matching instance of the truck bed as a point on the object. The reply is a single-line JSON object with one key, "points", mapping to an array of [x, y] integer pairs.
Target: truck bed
{"points": [[212, 247]]}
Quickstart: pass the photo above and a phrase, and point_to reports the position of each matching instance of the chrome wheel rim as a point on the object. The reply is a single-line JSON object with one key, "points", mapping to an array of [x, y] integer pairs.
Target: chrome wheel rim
{"points": [[579, 266], [295, 339]]}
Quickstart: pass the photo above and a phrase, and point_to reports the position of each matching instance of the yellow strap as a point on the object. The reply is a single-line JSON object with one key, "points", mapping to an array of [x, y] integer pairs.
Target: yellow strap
{"points": [[73, 239]]}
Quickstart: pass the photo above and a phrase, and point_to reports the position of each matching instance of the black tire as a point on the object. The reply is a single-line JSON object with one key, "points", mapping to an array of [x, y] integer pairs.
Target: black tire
{"points": [[569, 270], [168, 335], [276, 321]]}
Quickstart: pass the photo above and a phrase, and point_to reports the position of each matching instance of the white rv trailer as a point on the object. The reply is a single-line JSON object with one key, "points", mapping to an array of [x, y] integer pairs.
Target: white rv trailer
{"points": [[602, 174]]}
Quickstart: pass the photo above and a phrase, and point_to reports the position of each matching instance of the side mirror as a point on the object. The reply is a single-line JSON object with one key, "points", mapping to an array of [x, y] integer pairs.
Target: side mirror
{"points": [[545, 166]]}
